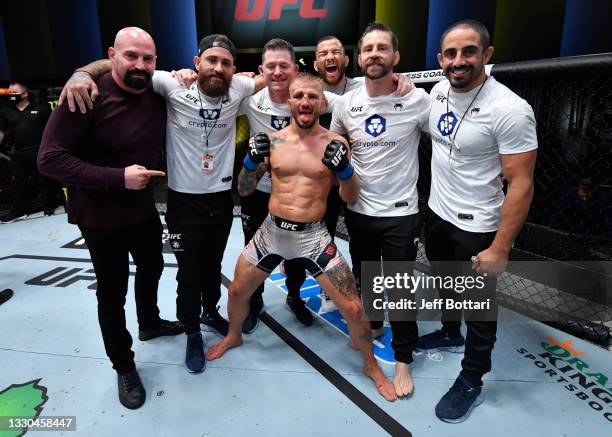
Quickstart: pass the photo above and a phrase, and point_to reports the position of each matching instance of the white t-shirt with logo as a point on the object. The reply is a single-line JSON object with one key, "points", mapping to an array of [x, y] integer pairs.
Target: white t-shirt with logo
{"points": [[466, 186], [384, 134], [266, 116], [349, 86], [192, 119]]}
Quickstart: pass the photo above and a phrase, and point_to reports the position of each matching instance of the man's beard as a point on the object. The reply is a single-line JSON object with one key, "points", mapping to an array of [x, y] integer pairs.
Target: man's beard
{"points": [[471, 75], [213, 88], [137, 83], [382, 72]]}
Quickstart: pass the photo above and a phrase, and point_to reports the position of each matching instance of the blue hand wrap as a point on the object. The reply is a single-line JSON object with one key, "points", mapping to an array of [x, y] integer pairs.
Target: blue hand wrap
{"points": [[249, 164], [346, 173]]}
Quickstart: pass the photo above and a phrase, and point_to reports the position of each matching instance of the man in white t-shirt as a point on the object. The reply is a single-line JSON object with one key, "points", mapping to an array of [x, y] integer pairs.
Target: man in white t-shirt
{"points": [[331, 62], [480, 131], [200, 143], [384, 130]]}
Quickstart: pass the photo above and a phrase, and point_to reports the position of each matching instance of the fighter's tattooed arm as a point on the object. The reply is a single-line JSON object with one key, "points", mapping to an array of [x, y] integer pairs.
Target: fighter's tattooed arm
{"points": [[344, 281], [247, 181]]}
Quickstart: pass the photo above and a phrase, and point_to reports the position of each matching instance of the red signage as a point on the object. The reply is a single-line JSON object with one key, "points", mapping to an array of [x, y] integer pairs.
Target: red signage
{"points": [[307, 9]]}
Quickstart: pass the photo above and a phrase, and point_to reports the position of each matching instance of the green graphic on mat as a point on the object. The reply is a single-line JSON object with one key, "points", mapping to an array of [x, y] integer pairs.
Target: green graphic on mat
{"points": [[21, 400]]}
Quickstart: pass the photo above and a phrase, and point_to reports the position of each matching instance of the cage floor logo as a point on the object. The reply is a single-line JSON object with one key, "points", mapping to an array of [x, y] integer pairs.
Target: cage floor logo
{"points": [[566, 365], [446, 124], [278, 122], [375, 125]]}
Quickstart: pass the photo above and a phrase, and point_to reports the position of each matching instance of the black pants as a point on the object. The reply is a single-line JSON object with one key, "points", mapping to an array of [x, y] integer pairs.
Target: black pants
{"points": [[198, 228], [334, 203], [110, 250], [392, 239], [254, 209], [445, 244], [27, 177]]}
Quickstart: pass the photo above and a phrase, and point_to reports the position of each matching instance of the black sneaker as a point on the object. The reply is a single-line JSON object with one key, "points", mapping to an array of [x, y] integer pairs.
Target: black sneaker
{"points": [[195, 360], [5, 295], [457, 404], [299, 309], [440, 340], [12, 216], [252, 319], [215, 321], [49, 211], [165, 327], [131, 391]]}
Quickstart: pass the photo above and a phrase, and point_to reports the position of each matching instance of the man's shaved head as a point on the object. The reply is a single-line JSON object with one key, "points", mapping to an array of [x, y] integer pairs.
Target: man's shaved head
{"points": [[130, 35]]}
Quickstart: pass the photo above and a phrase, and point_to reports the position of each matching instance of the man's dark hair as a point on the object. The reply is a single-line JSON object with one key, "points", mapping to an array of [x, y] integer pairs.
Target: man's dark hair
{"points": [[377, 25], [328, 38], [278, 44], [477, 26]]}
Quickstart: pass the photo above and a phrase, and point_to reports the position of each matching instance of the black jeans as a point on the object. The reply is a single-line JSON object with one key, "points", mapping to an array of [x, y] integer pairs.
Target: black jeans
{"points": [[254, 210], [198, 228], [110, 250], [392, 239], [445, 244], [25, 170]]}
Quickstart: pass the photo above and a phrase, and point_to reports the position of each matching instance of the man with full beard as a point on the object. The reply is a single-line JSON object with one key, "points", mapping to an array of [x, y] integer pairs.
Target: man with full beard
{"points": [[200, 146], [384, 130], [304, 159], [105, 157]]}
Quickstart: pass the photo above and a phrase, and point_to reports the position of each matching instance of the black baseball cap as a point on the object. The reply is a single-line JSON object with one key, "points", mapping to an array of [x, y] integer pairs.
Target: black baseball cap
{"points": [[217, 40]]}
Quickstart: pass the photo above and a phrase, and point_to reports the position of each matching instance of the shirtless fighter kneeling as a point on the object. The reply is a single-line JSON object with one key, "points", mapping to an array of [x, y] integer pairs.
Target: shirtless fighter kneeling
{"points": [[304, 159]]}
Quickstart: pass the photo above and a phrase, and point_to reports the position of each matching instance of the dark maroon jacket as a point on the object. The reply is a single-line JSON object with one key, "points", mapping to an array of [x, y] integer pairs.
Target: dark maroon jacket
{"points": [[89, 152]]}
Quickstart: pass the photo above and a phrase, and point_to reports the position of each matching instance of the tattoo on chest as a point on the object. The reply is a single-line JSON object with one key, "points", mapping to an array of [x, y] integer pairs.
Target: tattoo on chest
{"points": [[276, 140]]}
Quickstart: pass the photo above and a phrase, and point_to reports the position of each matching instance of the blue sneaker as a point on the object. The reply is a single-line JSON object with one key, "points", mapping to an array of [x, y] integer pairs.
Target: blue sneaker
{"points": [[441, 341], [215, 321], [457, 404], [195, 360]]}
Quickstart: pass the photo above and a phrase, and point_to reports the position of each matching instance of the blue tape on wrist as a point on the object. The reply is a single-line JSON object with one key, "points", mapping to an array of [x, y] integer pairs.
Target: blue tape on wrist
{"points": [[249, 164], [346, 173]]}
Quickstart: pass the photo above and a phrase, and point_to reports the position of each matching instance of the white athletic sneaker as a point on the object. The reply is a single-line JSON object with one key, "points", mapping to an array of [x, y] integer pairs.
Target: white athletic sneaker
{"points": [[327, 304]]}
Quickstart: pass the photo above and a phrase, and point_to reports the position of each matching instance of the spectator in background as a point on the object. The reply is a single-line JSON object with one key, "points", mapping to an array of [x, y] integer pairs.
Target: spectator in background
{"points": [[585, 209], [26, 120]]}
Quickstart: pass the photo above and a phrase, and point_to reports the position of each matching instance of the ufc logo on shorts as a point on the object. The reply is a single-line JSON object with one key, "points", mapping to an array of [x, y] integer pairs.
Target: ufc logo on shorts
{"points": [[338, 156], [288, 226]]}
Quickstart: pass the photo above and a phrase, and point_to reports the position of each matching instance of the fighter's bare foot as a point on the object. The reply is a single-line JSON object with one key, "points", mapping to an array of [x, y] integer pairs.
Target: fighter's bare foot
{"points": [[402, 381], [218, 349], [383, 385]]}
